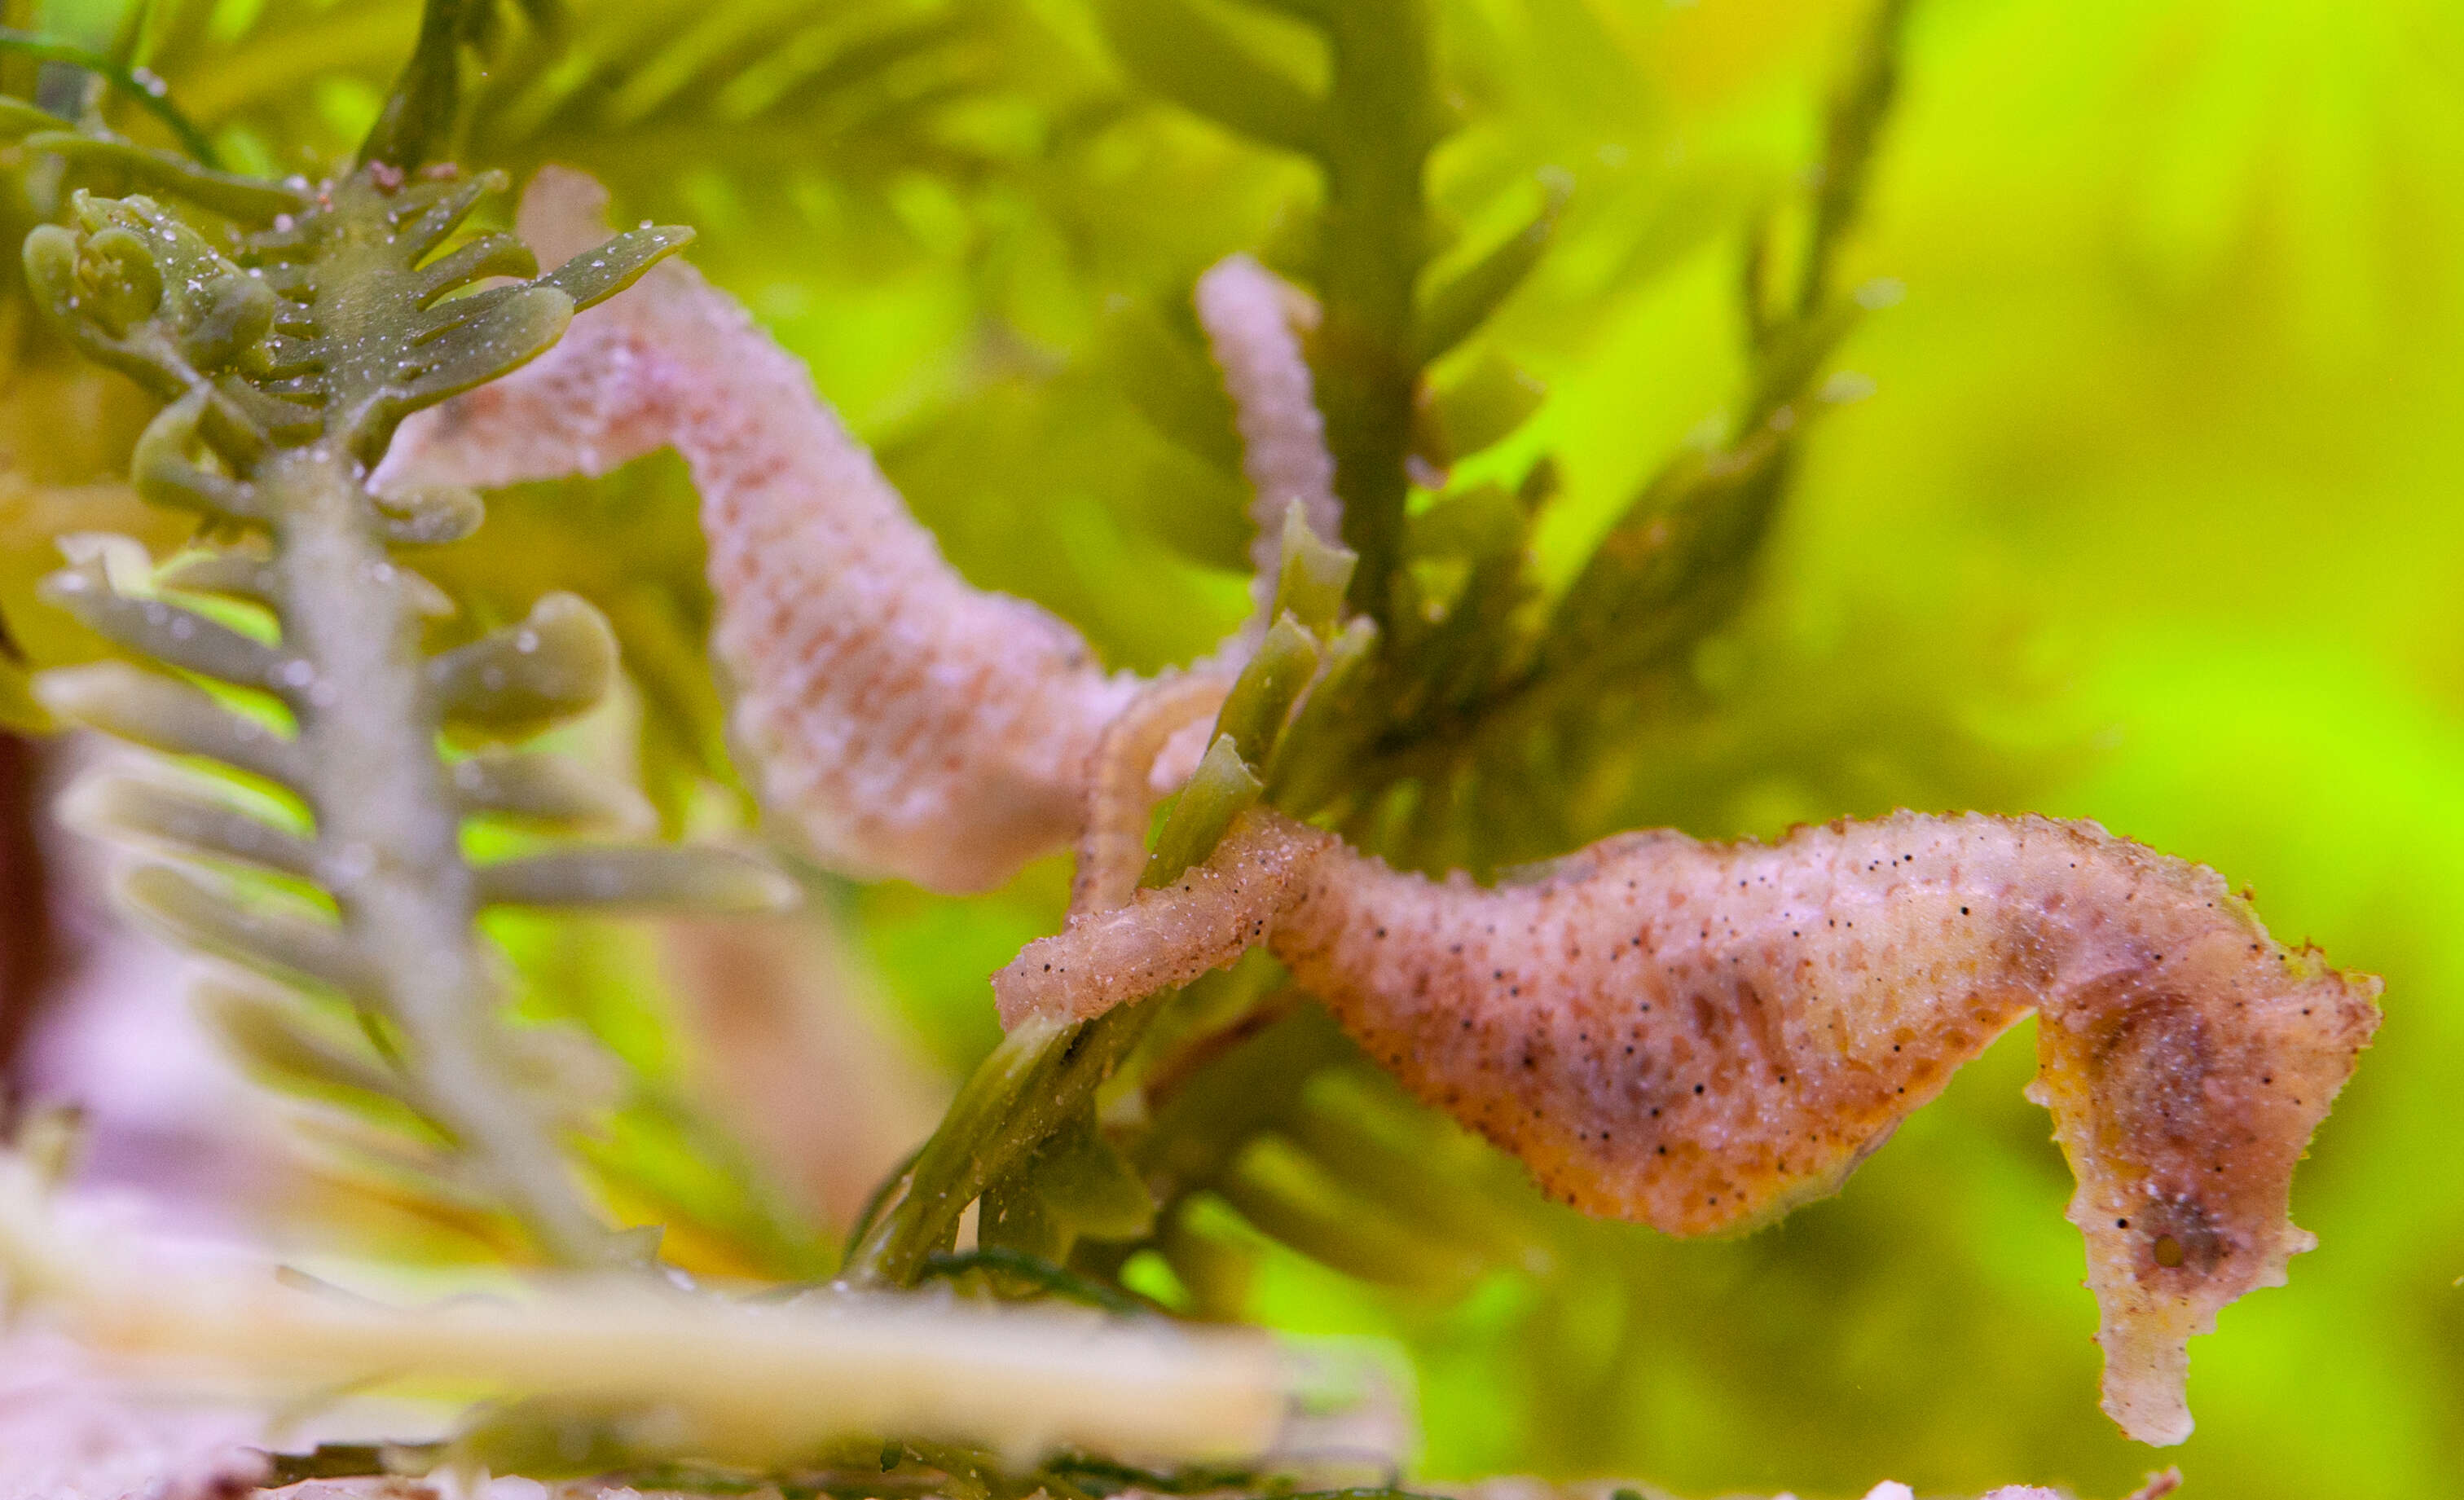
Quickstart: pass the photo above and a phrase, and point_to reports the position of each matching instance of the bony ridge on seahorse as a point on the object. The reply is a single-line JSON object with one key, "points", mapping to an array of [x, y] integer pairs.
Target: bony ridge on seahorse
{"points": [[1700, 1036], [904, 721]]}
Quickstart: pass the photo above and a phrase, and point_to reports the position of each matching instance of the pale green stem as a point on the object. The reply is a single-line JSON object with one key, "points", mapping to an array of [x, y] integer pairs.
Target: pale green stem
{"points": [[1040, 1077], [388, 839], [1383, 121]]}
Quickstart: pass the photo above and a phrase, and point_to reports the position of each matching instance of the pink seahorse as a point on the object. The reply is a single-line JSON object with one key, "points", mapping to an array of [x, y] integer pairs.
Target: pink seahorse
{"points": [[1699, 1036]]}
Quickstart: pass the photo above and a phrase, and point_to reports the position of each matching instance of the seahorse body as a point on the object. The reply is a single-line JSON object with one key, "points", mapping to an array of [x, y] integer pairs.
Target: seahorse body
{"points": [[1699, 1036]]}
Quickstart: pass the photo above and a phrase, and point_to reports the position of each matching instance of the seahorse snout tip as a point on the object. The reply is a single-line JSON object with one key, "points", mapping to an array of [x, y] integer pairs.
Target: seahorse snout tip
{"points": [[2147, 1371], [2159, 1419]]}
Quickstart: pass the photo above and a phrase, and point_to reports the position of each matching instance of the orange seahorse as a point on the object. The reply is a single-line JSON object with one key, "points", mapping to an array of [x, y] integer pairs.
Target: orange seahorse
{"points": [[1699, 1036]]}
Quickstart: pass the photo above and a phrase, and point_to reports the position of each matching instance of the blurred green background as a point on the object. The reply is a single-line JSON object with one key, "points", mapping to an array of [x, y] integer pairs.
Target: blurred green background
{"points": [[2150, 518]]}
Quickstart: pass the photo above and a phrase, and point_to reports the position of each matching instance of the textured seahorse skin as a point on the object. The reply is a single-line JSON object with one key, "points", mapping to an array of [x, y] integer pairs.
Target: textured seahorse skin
{"points": [[1699, 1036], [906, 722], [1249, 315]]}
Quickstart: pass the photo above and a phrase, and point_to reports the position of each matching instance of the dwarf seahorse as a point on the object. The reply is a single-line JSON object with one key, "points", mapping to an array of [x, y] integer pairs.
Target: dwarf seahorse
{"points": [[906, 721], [1699, 1036]]}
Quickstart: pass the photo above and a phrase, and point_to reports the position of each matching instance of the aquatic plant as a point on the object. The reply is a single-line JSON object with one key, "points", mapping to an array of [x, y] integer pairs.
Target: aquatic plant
{"points": [[286, 365], [1412, 694]]}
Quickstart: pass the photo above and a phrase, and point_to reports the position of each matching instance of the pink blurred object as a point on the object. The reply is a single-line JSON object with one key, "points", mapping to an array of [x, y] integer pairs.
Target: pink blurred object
{"points": [[69, 1431]]}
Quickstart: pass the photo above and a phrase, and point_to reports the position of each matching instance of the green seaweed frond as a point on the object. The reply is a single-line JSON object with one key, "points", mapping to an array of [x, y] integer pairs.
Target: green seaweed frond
{"points": [[417, 122], [673, 103], [1487, 674], [143, 90], [290, 652]]}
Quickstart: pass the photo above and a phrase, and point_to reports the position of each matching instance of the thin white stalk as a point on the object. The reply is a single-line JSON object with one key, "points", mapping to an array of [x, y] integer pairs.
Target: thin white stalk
{"points": [[755, 1384]]}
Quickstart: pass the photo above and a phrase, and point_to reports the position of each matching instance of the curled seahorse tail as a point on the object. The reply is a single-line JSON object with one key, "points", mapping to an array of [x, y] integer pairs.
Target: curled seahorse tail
{"points": [[1126, 773]]}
